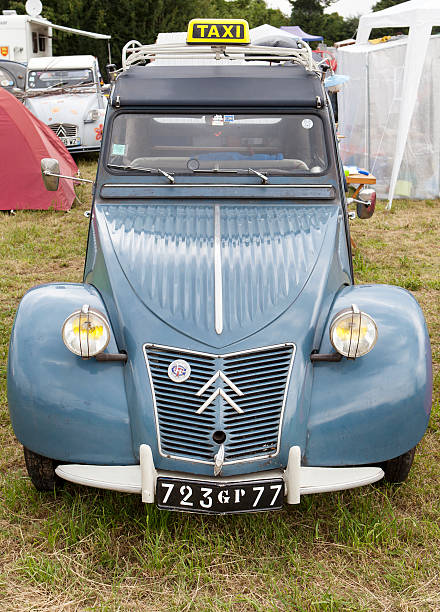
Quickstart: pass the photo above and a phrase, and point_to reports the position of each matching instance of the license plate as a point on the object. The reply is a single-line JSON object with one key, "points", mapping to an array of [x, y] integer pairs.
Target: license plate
{"points": [[219, 498], [70, 142]]}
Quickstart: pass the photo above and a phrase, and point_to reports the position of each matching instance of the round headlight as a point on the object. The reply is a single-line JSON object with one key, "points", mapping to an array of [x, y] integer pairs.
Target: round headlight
{"points": [[353, 333], [86, 332]]}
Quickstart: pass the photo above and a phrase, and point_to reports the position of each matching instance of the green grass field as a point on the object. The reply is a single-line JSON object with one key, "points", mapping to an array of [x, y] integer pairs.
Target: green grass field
{"points": [[373, 548]]}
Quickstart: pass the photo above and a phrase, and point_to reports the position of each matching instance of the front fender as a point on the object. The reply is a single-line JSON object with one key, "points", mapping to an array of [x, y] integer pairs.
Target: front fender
{"points": [[62, 406], [376, 407]]}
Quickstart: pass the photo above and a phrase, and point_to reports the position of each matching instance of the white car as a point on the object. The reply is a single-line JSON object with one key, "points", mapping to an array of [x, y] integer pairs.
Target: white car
{"points": [[65, 92]]}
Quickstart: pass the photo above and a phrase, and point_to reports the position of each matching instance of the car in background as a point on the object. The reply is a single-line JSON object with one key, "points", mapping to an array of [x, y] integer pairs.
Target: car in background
{"points": [[322, 55], [67, 94], [12, 76]]}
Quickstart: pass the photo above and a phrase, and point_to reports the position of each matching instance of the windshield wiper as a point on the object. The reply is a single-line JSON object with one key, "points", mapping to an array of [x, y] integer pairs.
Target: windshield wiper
{"points": [[79, 84], [263, 177], [60, 84], [165, 174]]}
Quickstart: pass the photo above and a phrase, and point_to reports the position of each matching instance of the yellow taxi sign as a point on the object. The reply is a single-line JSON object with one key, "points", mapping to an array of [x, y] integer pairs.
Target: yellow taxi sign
{"points": [[218, 31]]}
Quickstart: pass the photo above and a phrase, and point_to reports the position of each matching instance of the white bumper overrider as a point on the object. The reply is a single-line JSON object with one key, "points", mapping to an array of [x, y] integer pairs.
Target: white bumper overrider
{"points": [[141, 478]]}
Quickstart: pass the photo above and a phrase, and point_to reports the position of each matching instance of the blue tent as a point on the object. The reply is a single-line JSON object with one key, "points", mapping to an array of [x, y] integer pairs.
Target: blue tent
{"points": [[296, 31]]}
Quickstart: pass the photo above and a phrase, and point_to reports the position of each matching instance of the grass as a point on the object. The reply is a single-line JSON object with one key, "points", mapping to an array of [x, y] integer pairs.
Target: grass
{"points": [[368, 549]]}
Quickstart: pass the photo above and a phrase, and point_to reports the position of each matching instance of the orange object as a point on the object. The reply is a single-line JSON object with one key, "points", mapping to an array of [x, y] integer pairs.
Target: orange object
{"points": [[360, 180], [357, 179]]}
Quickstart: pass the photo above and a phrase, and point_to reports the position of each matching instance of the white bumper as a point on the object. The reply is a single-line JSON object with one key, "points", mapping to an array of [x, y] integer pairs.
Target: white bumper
{"points": [[141, 478]]}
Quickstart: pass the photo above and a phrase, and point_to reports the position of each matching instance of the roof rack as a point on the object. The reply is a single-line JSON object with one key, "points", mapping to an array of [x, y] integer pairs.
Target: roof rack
{"points": [[135, 53]]}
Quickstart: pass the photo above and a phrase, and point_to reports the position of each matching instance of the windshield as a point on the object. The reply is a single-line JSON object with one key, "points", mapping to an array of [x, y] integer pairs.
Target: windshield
{"points": [[43, 79], [275, 144]]}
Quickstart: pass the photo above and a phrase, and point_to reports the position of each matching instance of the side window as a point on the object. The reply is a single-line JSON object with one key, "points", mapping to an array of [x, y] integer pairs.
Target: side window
{"points": [[42, 42], [34, 42], [6, 79]]}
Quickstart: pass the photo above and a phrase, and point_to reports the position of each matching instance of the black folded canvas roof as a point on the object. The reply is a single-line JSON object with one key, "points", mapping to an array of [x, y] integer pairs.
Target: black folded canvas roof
{"points": [[237, 86]]}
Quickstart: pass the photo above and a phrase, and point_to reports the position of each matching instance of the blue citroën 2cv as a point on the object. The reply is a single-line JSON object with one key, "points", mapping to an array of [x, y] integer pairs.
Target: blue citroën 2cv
{"points": [[217, 356]]}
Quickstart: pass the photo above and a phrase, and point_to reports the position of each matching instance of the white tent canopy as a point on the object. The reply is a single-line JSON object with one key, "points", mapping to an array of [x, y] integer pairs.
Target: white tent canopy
{"points": [[419, 16]]}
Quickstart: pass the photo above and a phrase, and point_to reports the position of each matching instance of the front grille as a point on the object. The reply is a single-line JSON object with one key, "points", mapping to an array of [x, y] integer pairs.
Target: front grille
{"points": [[262, 375], [64, 130]]}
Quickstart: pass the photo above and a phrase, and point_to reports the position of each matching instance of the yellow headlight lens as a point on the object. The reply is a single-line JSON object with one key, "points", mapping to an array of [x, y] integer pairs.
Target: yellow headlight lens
{"points": [[349, 330], [353, 333], [84, 327], [86, 332]]}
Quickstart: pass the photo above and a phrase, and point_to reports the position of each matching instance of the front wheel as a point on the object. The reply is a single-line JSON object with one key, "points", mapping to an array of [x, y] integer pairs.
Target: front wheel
{"points": [[41, 471], [397, 469]]}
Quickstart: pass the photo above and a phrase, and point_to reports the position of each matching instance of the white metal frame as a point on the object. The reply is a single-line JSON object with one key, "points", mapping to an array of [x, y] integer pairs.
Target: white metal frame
{"points": [[136, 53]]}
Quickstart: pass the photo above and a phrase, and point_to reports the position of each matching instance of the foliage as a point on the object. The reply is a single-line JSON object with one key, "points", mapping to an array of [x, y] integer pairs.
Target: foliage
{"points": [[336, 28], [310, 16], [384, 4], [255, 11], [138, 19]]}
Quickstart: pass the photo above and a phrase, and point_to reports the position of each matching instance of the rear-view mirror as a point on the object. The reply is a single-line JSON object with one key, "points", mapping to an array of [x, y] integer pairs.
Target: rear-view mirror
{"points": [[49, 167], [365, 208], [111, 72]]}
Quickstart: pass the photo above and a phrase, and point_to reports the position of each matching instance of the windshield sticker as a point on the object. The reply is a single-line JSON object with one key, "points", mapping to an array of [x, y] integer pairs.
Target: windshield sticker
{"points": [[307, 124], [193, 164], [229, 118], [217, 120], [118, 149]]}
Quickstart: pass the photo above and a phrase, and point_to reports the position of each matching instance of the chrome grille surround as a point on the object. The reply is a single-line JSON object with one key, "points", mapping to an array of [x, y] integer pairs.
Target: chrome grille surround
{"points": [[64, 130], [263, 376]]}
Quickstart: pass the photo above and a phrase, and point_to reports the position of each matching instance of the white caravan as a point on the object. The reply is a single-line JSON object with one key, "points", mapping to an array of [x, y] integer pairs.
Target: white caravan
{"points": [[23, 37]]}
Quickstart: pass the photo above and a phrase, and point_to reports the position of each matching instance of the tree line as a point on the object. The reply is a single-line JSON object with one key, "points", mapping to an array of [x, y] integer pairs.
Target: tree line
{"points": [[144, 19]]}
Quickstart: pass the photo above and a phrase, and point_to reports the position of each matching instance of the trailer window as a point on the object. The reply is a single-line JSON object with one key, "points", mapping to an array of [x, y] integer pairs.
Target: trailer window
{"points": [[6, 79], [42, 42]]}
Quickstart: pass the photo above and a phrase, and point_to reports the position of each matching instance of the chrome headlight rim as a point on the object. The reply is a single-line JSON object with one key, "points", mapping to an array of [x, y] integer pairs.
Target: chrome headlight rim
{"points": [[353, 311], [92, 115], [86, 311]]}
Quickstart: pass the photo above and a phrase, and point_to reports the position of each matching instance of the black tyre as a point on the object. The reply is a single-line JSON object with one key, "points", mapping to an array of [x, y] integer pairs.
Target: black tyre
{"points": [[397, 469], [41, 471]]}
